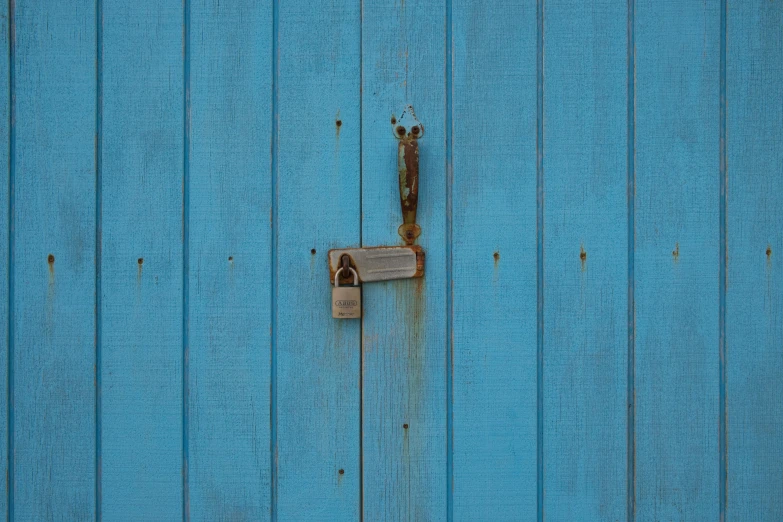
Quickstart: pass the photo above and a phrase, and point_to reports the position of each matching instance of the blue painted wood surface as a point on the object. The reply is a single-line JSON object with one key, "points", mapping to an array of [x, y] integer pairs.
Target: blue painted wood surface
{"points": [[404, 336], [53, 296], [599, 332], [494, 258], [754, 285], [141, 272], [5, 221], [229, 286], [585, 349], [316, 183], [677, 260]]}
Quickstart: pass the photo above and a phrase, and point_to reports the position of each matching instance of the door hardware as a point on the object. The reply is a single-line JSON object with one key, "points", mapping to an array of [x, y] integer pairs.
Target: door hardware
{"points": [[379, 263], [384, 263], [408, 130], [346, 300]]}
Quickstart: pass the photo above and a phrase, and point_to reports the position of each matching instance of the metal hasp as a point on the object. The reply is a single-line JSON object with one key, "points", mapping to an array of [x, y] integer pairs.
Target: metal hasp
{"points": [[379, 263], [408, 130], [385, 263]]}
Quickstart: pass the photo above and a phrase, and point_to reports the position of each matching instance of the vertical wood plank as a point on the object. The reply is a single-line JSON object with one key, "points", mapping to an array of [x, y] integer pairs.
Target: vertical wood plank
{"points": [[317, 208], [54, 262], [142, 263], [585, 273], [495, 259], [754, 296], [5, 264], [404, 336], [230, 240], [677, 259]]}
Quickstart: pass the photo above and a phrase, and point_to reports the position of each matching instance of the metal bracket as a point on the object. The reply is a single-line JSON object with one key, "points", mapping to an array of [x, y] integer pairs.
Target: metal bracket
{"points": [[408, 129], [380, 263]]}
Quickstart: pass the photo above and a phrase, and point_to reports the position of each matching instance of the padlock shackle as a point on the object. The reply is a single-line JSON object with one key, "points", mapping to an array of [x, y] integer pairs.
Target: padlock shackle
{"points": [[337, 277]]}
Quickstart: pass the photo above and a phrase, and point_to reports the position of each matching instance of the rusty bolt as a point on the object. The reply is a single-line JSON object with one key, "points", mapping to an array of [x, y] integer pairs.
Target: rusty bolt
{"points": [[415, 129], [401, 130]]}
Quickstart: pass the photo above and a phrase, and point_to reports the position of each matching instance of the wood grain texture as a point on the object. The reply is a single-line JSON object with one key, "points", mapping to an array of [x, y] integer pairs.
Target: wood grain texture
{"points": [[216, 151], [677, 260], [230, 241], [404, 337], [142, 262], [494, 254], [5, 258], [54, 263], [318, 195], [586, 260], [754, 307]]}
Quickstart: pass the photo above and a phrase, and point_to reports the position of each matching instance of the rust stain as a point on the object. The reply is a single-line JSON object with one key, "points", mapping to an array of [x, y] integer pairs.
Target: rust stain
{"points": [[50, 297], [676, 252], [405, 426], [583, 256], [419, 262], [496, 255], [139, 271], [393, 120], [419, 287], [417, 342], [769, 254]]}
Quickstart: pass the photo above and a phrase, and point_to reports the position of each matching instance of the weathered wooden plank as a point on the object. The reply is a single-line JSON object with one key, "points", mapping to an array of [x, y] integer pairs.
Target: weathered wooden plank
{"points": [[676, 260], [754, 296], [586, 260], [5, 259], [315, 358], [494, 261], [54, 262], [230, 240], [142, 262], [404, 337]]}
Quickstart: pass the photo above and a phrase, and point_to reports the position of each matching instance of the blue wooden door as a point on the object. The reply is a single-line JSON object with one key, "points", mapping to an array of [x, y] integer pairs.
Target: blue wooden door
{"points": [[599, 333]]}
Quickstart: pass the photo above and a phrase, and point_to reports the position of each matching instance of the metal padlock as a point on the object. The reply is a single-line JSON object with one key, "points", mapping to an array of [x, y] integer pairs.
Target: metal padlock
{"points": [[346, 300]]}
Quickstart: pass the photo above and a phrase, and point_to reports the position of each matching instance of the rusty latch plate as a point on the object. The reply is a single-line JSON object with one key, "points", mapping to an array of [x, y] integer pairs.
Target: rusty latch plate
{"points": [[380, 263]]}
